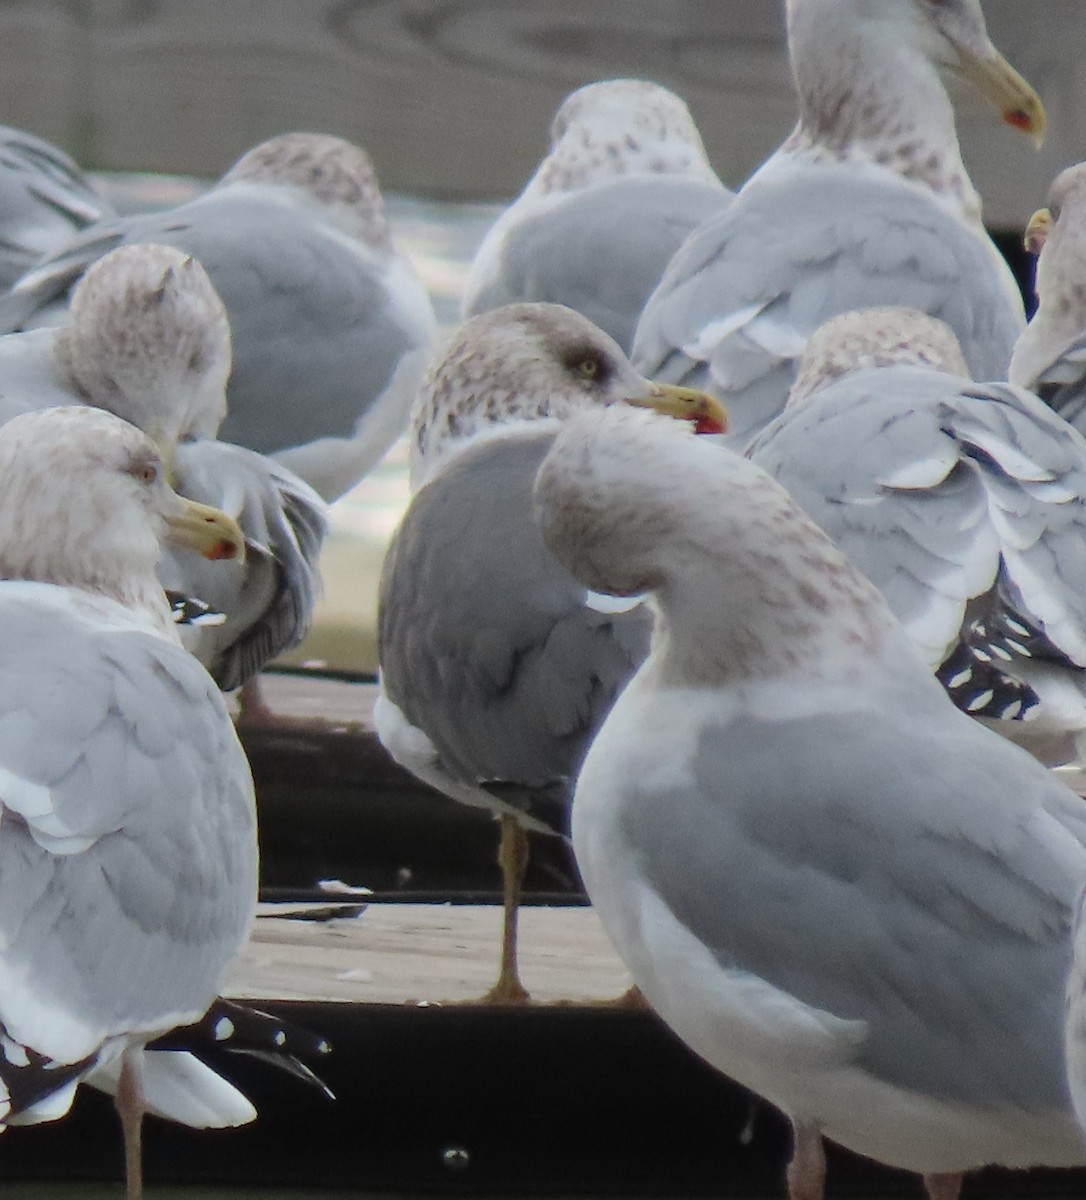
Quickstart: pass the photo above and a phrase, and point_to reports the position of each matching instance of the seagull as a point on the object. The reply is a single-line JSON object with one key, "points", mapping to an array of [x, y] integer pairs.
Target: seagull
{"points": [[128, 862], [867, 203], [625, 180], [963, 502], [829, 882], [45, 199], [496, 665], [1050, 356], [331, 326], [149, 341]]}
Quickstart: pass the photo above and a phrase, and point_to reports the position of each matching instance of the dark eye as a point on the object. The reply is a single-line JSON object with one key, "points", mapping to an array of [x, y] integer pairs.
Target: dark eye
{"points": [[145, 471]]}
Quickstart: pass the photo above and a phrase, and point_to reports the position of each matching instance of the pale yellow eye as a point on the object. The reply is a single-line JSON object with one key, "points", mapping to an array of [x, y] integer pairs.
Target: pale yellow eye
{"points": [[148, 473], [588, 367]]}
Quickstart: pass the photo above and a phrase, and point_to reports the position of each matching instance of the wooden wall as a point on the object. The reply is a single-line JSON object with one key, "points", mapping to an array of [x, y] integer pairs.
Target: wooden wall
{"points": [[453, 97]]}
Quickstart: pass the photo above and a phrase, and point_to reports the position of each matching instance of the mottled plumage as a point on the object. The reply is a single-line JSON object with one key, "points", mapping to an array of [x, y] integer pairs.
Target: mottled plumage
{"points": [[329, 321], [626, 179], [867, 203], [149, 341], [963, 502], [829, 882], [128, 862]]}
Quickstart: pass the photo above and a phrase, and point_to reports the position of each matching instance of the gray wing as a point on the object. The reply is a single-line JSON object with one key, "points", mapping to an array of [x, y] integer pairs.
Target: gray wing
{"points": [[318, 326], [964, 504], [29, 377], [128, 855], [486, 642], [735, 308], [601, 251], [44, 199], [929, 897], [1060, 380], [268, 600]]}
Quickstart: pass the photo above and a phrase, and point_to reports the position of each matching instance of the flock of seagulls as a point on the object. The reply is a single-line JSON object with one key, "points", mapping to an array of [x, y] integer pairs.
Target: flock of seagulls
{"points": [[746, 549]]}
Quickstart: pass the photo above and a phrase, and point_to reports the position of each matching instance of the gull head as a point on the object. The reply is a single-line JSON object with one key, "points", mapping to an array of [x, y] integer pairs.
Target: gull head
{"points": [[149, 341], [875, 337], [1057, 235], [863, 43], [87, 505], [532, 362], [324, 171], [621, 127]]}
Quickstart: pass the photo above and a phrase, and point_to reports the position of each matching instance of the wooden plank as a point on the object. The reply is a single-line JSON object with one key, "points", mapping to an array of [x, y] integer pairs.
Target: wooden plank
{"points": [[454, 97], [426, 953]]}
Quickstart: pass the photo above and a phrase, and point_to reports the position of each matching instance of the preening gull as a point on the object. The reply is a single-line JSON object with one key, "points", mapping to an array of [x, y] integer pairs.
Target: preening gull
{"points": [[330, 323], [1050, 357], [149, 341], [497, 665], [44, 199], [867, 203], [827, 880], [625, 180], [963, 502], [128, 864]]}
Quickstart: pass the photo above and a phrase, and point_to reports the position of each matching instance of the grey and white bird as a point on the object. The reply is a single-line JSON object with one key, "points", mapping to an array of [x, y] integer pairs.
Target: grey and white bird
{"points": [[832, 884], [330, 324], [149, 341], [964, 503], [1050, 356], [626, 179], [128, 864], [867, 203], [496, 664], [44, 200]]}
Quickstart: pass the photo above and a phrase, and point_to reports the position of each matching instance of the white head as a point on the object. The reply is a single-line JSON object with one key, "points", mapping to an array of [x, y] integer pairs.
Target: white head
{"points": [[875, 337], [1057, 234], [746, 584], [867, 72], [86, 504], [531, 362], [621, 127], [335, 173], [149, 341]]}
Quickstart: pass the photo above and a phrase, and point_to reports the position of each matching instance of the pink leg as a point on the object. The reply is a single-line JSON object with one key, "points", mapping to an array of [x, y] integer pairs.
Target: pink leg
{"points": [[807, 1170], [944, 1186], [130, 1106]]}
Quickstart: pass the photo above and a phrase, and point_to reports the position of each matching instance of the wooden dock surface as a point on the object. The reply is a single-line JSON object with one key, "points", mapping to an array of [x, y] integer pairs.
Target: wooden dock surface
{"points": [[426, 954], [453, 97]]}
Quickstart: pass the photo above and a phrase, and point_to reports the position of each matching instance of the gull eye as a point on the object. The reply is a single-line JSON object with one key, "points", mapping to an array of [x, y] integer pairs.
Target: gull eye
{"points": [[588, 366], [146, 471]]}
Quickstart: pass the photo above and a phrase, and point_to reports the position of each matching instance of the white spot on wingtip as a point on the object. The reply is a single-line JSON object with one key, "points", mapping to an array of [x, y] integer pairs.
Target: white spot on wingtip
{"points": [[224, 1028]]}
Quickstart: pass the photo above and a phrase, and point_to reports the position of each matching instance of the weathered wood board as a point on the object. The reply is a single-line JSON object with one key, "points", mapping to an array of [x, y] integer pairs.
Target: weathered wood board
{"points": [[453, 97], [426, 953]]}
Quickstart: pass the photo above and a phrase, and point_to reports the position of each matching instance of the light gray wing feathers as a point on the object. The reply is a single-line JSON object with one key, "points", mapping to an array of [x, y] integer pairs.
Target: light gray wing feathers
{"points": [[939, 918], [736, 305], [485, 640], [127, 836]]}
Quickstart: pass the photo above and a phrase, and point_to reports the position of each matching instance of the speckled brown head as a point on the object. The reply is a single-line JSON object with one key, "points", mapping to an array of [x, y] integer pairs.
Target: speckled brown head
{"points": [[527, 362], [336, 173], [150, 342], [621, 127], [875, 337]]}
